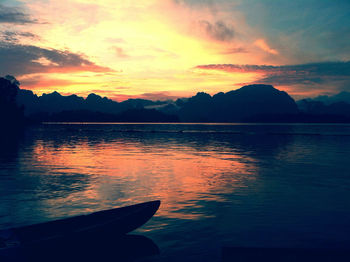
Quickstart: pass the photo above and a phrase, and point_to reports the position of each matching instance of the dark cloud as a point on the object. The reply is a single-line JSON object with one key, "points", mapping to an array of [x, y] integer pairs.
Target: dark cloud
{"points": [[18, 59], [218, 30], [323, 68], [335, 74], [14, 15], [14, 36]]}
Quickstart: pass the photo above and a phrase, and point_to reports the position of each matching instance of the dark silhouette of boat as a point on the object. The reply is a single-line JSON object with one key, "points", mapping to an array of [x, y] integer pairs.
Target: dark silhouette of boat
{"points": [[99, 225]]}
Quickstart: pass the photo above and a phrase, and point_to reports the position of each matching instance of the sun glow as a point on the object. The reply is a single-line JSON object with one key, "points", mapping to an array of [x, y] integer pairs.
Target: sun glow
{"points": [[132, 48], [137, 48]]}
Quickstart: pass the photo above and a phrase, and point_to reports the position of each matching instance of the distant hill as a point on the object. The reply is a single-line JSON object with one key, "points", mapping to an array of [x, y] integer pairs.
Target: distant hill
{"points": [[337, 110], [238, 105], [72, 108], [252, 103], [340, 97], [55, 102]]}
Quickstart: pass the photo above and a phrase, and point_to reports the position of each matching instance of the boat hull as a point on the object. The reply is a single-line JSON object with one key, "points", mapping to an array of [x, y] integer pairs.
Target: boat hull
{"points": [[107, 223]]}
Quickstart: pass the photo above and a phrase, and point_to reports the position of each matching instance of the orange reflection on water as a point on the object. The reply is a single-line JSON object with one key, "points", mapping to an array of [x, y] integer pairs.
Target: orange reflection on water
{"points": [[121, 172]]}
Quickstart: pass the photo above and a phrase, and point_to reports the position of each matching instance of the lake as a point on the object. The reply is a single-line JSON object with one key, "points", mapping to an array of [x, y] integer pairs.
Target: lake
{"points": [[248, 185]]}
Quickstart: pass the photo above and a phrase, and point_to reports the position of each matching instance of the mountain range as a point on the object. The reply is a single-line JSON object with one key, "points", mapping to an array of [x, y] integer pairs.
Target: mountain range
{"points": [[251, 103], [340, 97]]}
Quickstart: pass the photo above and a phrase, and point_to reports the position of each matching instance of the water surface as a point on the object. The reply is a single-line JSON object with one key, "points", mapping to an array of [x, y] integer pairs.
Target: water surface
{"points": [[237, 185]]}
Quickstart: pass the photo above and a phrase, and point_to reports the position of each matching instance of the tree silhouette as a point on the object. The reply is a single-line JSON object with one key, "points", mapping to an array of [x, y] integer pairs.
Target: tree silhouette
{"points": [[11, 116]]}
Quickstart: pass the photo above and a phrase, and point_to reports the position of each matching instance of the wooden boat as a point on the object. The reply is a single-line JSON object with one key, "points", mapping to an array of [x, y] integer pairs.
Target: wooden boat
{"points": [[99, 225]]}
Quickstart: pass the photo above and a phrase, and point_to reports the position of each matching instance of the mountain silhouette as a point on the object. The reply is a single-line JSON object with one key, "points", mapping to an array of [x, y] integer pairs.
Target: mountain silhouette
{"points": [[55, 103], [251, 103], [332, 112], [238, 105], [343, 96]]}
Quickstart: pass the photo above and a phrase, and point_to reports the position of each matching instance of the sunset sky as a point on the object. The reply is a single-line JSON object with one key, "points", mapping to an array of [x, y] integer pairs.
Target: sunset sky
{"points": [[159, 49]]}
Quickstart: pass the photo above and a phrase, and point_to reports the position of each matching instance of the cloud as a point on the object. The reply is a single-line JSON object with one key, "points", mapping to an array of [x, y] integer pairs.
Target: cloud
{"points": [[155, 96], [264, 46], [218, 30], [158, 96], [120, 52], [14, 15], [40, 82], [18, 59], [194, 2], [329, 68], [234, 50], [334, 74], [15, 36], [115, 40]]}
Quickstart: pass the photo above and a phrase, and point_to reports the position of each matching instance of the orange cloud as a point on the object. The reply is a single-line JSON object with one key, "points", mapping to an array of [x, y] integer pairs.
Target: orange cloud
{"points": [[261, 43], [42, 82]]}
